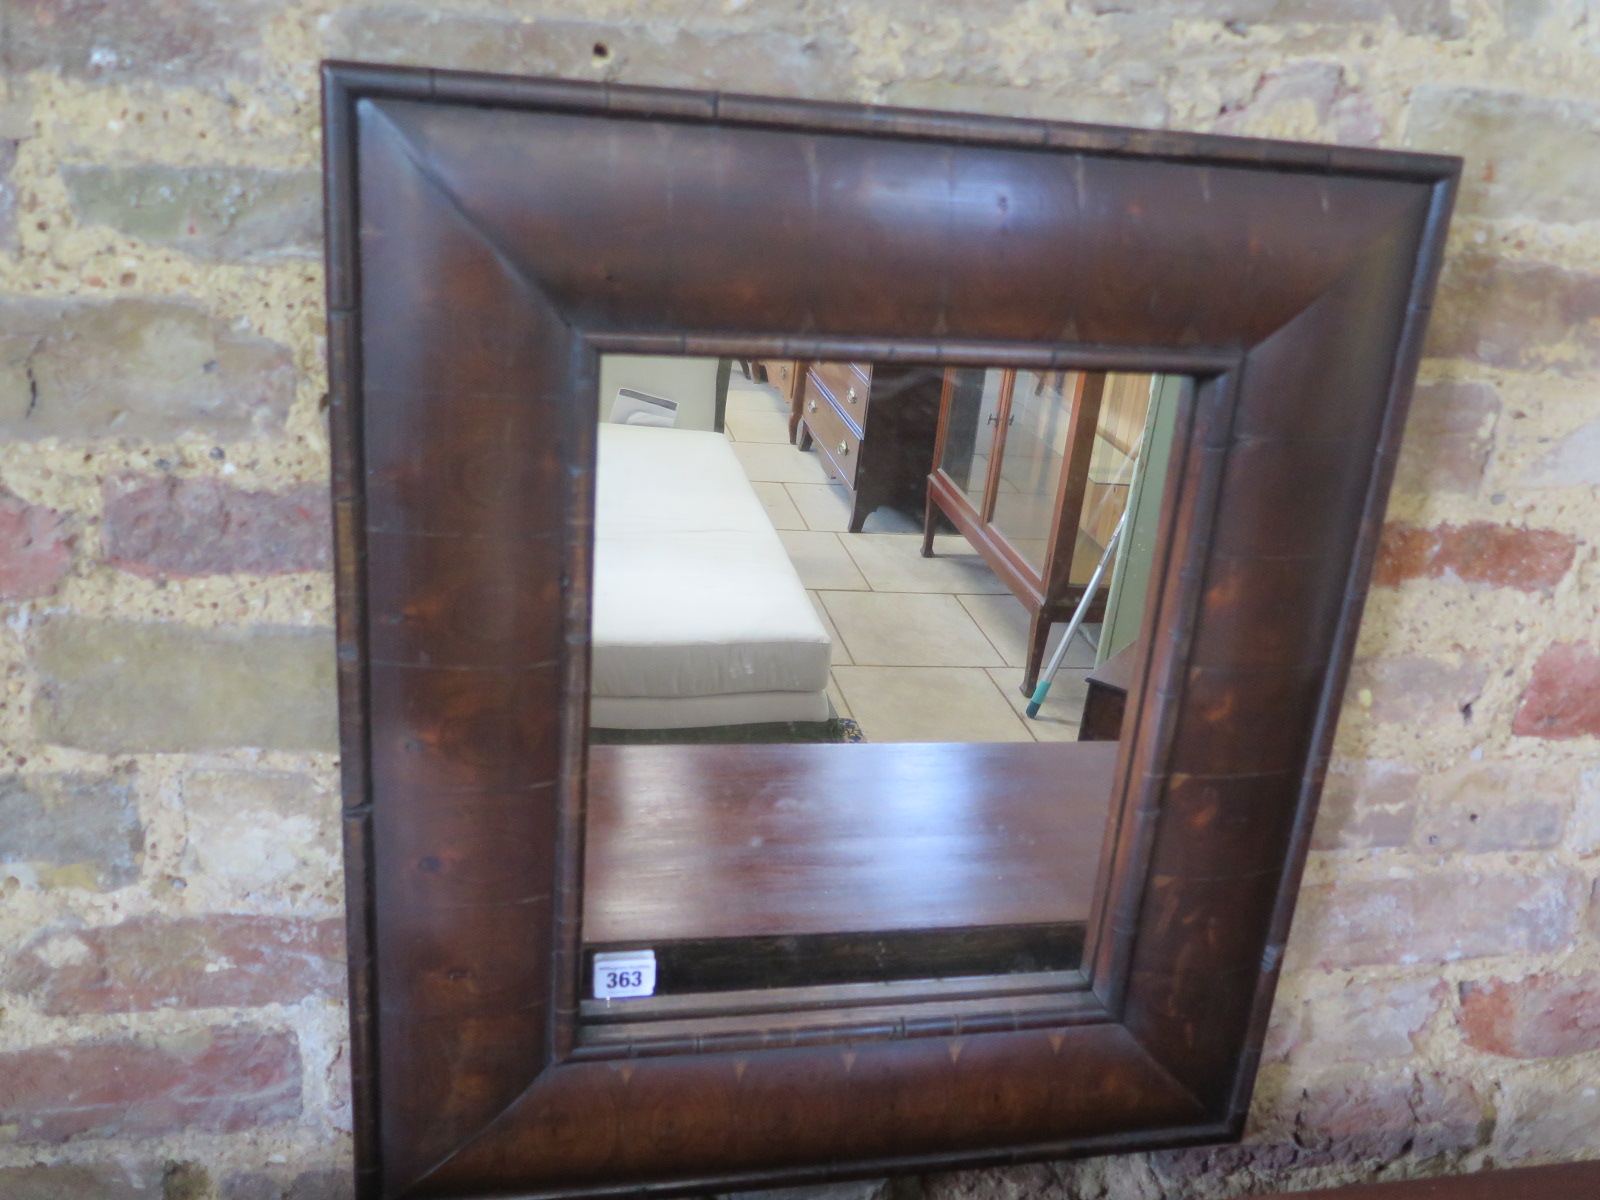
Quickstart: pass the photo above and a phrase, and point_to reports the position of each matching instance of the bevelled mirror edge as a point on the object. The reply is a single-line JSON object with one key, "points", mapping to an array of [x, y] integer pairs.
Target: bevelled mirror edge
{"points": [[1434, 175]]}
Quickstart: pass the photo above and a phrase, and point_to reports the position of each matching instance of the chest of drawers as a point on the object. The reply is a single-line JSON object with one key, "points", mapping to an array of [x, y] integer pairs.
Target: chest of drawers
{"points": [[873, 426]]}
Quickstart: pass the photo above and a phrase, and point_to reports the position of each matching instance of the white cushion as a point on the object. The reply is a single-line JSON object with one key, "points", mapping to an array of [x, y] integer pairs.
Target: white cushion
{"points": [[694, 594]]}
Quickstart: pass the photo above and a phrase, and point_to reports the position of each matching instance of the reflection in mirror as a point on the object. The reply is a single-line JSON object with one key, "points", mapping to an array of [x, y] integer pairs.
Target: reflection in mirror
{"points": [[862, 641]]}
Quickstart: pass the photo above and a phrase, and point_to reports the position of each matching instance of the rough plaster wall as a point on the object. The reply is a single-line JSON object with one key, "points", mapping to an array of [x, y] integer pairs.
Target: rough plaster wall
{"points": [[172, 1016]]}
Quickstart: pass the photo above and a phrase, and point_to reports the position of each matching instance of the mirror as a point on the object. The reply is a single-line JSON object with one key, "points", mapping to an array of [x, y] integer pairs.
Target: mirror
{"points": [[495, 245], [862, 637]]}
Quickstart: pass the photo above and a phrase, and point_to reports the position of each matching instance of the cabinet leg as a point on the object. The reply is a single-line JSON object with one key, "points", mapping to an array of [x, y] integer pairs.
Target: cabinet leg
{"points": [[929, 516], [804, 442], [1038, 635], [858, 515]]}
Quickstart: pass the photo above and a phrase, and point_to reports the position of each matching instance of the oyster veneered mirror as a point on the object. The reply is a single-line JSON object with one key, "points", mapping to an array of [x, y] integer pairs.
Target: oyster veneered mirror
{"points": [[712, 473]]}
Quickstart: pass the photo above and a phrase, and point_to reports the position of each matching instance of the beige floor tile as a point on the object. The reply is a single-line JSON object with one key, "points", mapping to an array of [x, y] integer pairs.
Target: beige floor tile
{"points": [[840, 653], [822, 563], [1005, 621], [1062, 709], [827, 506], [896, 629], [928, 704], [840, 707], [893, 562], [780, 509], [742, 391], [771, 463], [760, 425]]}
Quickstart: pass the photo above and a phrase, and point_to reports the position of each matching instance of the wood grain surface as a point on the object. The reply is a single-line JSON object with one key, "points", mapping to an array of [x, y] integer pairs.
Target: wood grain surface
{"points": [[741, 841], [488, 238]]}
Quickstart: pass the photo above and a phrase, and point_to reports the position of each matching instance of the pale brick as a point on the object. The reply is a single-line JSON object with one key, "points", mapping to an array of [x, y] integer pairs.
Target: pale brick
{"points": [[1310, 86], [1414, 690], [152, 687], [1563, 698], [1366, 804], [210, 1081], [645, 53], [1521, 316], [1586, 816], [1363, 1023], [1529, 560], [330, 1184], [1449, 437], [136, 369], [75, 1181], [1548, 1119], [1574, 461], [1476, 807], [176, 41], [8, 194], [1442, 917], [271, 832], [178, 528], [70, 830], [215, 961], [1350, 1119], [228, 213], [1526, 156], [1435, 18], [34, 554], [1542, 1016]]}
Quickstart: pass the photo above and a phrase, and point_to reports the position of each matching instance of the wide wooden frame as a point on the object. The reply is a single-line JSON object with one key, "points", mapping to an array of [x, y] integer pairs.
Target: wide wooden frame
{"points": [[487, 238]]}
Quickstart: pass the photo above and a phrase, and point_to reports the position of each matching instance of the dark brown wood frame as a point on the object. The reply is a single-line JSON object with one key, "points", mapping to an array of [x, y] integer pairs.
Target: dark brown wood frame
{"points": [[487, 239]]}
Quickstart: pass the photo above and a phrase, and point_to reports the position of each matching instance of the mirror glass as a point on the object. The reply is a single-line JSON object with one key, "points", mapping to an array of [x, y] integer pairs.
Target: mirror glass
{"points": [[863, 636]]}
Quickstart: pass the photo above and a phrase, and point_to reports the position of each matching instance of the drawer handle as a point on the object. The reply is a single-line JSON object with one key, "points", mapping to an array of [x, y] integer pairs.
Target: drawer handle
{"points": [[852, 395], [844, 449], [811, 406]]}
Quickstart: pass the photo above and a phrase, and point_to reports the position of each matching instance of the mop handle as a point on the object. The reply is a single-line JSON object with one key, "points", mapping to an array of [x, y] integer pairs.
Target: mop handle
{"points": [[1043, 688]]}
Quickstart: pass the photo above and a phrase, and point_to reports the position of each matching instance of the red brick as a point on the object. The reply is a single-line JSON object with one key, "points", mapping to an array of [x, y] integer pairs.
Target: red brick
{"points": [[212, 1081], [1433, 919], [1530, 560], [1563, 698], [1523, 316], [33, 549], [191, 527], [1542, 1016], [196, 962]]}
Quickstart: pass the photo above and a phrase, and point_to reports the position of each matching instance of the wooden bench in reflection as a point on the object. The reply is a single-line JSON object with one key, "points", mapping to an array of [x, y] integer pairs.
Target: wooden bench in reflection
{"points": [[838, 862]]}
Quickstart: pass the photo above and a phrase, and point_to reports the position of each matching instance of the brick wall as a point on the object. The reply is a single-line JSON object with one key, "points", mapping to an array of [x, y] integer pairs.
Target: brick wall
{"points": [[171, 1019]]}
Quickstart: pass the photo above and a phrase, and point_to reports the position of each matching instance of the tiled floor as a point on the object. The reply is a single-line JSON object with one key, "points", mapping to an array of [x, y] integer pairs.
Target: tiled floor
{"points": [[924, 649]]}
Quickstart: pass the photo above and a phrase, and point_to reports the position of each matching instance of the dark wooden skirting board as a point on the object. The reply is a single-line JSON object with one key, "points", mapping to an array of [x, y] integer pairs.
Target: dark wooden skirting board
{"points": [[487, 238], [1560, 1181]]}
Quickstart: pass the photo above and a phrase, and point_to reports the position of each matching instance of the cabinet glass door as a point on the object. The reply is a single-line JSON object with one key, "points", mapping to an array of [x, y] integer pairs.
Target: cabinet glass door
{"points": [[1026, 492], [969, 440]]}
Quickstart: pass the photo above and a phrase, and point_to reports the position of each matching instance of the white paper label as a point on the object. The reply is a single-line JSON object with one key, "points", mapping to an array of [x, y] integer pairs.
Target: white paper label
{"points": [[619, 973]]}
